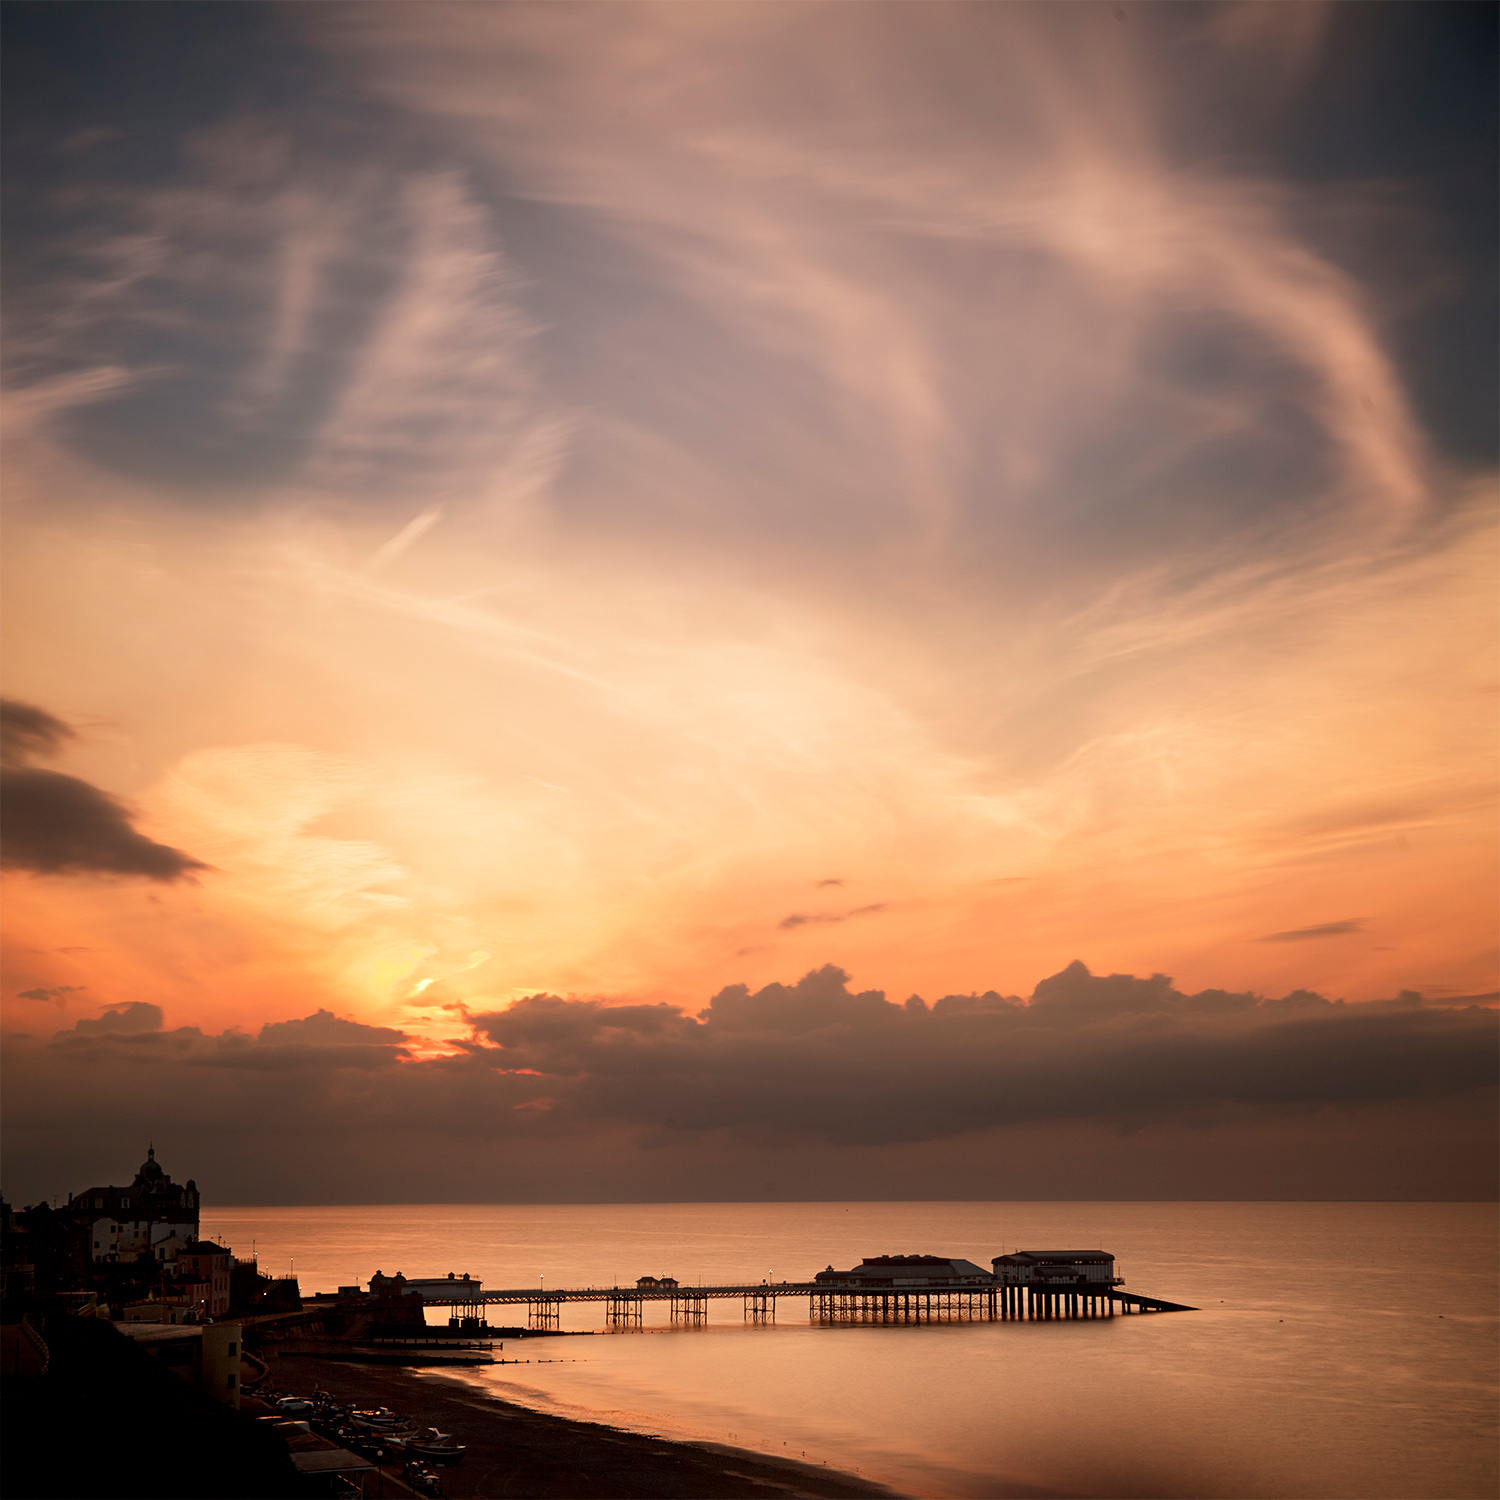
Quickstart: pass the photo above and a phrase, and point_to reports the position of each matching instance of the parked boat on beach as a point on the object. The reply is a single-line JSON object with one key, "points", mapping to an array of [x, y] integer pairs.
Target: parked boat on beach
{"points": [[436, 1447], [422, 1480], [383, 1423]]}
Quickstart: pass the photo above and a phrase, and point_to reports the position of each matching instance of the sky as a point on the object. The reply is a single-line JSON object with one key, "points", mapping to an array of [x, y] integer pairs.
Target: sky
{"points": [[677, 601]]}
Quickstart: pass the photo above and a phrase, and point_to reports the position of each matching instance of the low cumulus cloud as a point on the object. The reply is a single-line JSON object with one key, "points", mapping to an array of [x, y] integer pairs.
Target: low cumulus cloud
{"points": [[814, 1065], [817, 1060], [57, 824], [130, 1019], [321, 1042]]}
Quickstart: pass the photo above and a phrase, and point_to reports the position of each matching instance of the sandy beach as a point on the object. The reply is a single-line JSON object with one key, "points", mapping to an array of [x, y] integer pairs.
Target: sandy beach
{"points": [[516, 1452]]}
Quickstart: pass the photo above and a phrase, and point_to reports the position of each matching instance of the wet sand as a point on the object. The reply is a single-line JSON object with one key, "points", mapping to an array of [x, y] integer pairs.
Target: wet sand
{"points": [[513, 1451]]}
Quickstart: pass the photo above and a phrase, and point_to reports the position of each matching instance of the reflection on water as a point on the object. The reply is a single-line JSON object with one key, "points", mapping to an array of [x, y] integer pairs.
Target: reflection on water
{"points": [[1341, 1349]]}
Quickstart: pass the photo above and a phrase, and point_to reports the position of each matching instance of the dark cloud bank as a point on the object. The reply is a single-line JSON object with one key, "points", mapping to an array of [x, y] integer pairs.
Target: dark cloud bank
{"points": [[55, 824], [1101, 1087]]}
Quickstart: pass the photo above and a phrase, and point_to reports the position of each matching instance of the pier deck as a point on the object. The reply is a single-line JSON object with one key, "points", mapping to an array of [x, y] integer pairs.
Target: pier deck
{"points": [[828, 1302]]}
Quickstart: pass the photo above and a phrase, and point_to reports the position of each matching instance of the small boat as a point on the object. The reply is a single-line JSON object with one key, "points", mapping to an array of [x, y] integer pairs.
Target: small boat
{"points": [[422, 1480], [438, 1449], [385, 1423], [411, 1434]]}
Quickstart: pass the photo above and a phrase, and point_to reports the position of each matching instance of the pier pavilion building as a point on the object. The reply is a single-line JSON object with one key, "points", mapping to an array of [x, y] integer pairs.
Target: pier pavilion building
{"points": [[879, 1271], [902, 1289], [428, 1288]]}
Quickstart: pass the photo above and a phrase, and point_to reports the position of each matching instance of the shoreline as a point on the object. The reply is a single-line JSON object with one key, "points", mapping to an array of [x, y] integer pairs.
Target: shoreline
{"points": [[514, 1451]]}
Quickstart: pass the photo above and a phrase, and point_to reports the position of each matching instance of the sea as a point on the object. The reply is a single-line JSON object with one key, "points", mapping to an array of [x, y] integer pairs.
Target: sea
{"points": [[1337, 1349]]}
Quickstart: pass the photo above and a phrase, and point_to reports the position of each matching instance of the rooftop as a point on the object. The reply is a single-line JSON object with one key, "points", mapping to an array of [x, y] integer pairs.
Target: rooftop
{"points": [[909, 1270], [330, 1461], [1017, 1256], [160, 1333]]}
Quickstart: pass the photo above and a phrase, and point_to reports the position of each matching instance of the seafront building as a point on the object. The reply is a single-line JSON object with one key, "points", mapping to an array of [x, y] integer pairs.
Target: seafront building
{"points": [[204, 1354], [110, 1241], [132, 1256], [208, 1265], [153, 1217], [1056, 1268], [197, 1289], [430, 1288]]}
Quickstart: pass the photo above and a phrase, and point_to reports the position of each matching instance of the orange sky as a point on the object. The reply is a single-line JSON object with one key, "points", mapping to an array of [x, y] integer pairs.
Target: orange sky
{"points": [[864, 583], [596, 781]]}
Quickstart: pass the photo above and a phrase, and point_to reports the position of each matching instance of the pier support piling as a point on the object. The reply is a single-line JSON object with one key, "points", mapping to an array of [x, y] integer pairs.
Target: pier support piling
{"points": [[689, 1309], [623, 1311], [760, 1307], [542, 1312]]}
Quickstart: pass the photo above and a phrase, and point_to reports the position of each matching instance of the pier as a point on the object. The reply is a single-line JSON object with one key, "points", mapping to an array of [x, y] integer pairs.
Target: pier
{"points": [[1033, 1285], [827, 1303]]}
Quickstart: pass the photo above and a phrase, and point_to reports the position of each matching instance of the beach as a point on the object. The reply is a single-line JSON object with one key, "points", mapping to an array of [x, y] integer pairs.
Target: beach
{"points": [[513, 1451]]}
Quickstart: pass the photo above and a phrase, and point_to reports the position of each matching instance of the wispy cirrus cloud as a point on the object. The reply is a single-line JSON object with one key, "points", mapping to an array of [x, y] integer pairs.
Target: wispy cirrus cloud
{"points": [[797, 178], [802, 919], [54, 992], [1320, 930]]}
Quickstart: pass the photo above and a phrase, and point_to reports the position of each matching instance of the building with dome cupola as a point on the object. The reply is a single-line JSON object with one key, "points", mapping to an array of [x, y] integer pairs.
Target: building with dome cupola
{"points": [[152, 1219]]}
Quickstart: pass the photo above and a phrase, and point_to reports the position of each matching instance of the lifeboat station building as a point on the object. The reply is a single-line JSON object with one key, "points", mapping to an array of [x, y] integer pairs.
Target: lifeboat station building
{"points": [[1056, 1268]]}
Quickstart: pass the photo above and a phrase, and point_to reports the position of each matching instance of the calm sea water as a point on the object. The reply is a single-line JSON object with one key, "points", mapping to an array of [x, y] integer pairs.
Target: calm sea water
{"points": [[1341, 1349]]}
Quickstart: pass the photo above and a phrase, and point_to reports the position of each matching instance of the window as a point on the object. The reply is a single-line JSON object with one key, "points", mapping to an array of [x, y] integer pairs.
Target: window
{"points": [[231, 1382], [230, 1351]]}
